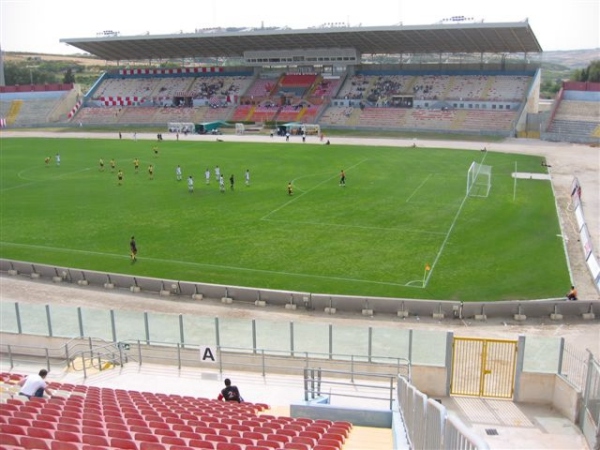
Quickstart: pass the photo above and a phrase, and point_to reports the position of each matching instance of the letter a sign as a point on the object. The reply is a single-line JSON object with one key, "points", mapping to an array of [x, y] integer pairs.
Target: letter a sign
{"points": [[208, 354]]}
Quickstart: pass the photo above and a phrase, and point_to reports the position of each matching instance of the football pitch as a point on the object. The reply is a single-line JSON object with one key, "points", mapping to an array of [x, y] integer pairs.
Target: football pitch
{"points": [[402, 226]]}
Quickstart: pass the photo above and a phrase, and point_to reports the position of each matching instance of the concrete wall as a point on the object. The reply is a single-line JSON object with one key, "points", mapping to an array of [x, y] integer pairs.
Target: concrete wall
{"points": [[536, 388], [429, 380], [375, 418], [566, 399], [314, 301]]}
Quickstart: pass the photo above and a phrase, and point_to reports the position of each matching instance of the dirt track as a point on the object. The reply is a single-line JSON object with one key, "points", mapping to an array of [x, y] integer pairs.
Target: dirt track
{"points": [[566, 161]]}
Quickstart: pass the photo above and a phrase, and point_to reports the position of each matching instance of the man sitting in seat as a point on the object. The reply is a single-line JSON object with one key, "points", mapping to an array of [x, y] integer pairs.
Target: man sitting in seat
{"points": [[230, 393]]}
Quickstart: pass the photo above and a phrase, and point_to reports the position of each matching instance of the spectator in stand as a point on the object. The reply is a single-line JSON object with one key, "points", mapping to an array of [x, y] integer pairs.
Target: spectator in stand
{"points": [[230, 393], [35, 385]]}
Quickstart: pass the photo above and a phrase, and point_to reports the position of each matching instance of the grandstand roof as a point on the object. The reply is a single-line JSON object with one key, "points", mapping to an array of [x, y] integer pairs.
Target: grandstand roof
{"points": [[515, 37]]}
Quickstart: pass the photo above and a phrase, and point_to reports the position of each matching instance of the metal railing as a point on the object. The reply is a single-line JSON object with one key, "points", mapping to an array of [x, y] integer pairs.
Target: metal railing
{"points": [[88, 353], [317, 381], [429, 425]]}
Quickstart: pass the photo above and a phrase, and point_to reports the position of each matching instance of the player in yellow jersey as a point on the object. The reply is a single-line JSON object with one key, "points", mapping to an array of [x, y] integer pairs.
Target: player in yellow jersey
{"points": [[151, 171], [101, 164], [113, 165], [136, 165], [120, 177]]}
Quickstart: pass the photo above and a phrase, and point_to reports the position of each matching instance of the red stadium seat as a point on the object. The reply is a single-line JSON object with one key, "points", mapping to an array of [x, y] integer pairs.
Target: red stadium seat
{"points": [[278, 437], [296, 446], [305, 440], [124, 444], [9, 439], [42, 433], [146, 437], [152, 446], [44, 424], [121, 434], [29, 442], [335, 436], [269, 443], [19, 421], [228, 446], [60, 445], [67, 436], [200, 444], [163, 432], [190, 435], [96, 440], [172, 440], [330, 442], [68, 427], [13, 429]]}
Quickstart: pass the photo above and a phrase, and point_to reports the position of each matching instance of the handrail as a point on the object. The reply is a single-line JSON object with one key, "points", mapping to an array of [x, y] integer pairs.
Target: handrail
{"points": [[180, 355]]}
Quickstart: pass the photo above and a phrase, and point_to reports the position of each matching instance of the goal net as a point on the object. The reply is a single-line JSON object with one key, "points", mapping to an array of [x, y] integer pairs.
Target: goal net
{"points": [[479, 180]]}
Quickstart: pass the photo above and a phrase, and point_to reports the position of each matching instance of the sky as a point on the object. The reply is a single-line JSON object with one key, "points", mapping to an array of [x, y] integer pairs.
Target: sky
{"points": [[38, 25]]}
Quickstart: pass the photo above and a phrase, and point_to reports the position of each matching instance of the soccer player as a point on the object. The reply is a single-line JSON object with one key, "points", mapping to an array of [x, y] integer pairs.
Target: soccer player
{"points": [[178, 172], [342, 178], [47, 160], [155, 149], [136, 165], [217, 173], [120, 177], [113, 165], [101, 163], [151, 171], [231, 182], [57, 159], [133, 249], [247, 177], [190, 184], [207, 175], [222, 184], [290, 189]]}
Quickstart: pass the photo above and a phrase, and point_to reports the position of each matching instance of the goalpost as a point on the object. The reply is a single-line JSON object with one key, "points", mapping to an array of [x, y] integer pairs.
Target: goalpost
{"points": [[479, 180]]}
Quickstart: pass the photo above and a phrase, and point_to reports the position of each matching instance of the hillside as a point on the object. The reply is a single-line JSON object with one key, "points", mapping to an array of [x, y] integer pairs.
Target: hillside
{"points": [[570, 59]]}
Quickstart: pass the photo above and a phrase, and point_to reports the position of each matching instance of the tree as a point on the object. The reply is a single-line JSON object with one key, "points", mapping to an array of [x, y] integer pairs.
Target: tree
{"points": [[590, 73], [69, 77]]}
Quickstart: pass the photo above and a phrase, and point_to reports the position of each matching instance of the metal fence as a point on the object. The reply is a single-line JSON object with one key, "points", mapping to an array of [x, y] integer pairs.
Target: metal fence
{"points": [[429, 425], [374, 344], [589, 419]]}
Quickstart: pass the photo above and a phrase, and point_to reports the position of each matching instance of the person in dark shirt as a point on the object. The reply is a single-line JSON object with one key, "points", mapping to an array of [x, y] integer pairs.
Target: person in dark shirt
{"points": [[230, 393], [133, 248]]}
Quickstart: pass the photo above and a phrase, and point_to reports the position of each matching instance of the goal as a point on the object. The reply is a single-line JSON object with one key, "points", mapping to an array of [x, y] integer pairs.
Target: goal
{"points": [[479, 180]]}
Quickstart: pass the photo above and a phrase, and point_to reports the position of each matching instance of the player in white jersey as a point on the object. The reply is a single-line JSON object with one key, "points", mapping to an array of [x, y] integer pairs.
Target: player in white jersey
{"points": [[190, 184], [247, 177], [207, 175], [178, 172]]}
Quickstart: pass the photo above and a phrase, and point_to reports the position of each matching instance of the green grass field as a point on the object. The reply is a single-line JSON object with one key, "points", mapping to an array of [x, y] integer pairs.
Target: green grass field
{"points": [[402, 209]]}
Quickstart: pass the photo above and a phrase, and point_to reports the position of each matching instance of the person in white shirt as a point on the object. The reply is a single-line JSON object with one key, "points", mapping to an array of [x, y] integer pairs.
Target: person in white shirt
{"points": [[57, 158], [35, 385], [247, 177], [207, 176], [217, 173], [178, 173], [222, 184], [190, 184]]}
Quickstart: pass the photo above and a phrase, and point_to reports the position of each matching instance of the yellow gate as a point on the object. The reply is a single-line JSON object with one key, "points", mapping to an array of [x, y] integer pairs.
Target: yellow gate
{"points": [[483, 367]]}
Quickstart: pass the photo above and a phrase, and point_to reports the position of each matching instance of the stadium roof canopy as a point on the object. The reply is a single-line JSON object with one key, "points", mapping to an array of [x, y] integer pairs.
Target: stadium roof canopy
{"points": [[515, 37]]}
